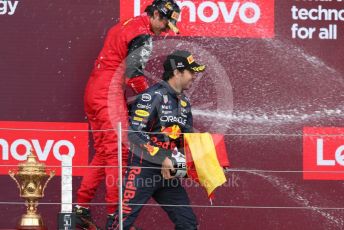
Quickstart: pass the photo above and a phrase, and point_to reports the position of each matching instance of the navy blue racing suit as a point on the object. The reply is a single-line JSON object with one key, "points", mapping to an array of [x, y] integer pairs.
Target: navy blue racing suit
{"points": [[158, 118]]}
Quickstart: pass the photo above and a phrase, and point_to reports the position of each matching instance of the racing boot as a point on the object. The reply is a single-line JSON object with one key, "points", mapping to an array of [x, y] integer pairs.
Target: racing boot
{"points": [[83, 219]]}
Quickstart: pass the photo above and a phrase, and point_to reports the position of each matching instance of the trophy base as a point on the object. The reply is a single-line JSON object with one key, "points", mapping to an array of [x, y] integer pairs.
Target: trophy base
{"points": [[31, 222]]}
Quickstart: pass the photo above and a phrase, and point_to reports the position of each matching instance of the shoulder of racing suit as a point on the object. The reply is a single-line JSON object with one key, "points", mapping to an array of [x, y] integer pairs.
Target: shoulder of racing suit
{"points": [[139, 51], [121, 42], [139, 43]]}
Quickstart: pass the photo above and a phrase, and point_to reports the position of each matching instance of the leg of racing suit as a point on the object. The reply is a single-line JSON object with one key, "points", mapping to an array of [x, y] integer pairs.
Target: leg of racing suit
{"points": [[94, 175], [138, 187], [140, 184], [103, 115], [173, 193]]}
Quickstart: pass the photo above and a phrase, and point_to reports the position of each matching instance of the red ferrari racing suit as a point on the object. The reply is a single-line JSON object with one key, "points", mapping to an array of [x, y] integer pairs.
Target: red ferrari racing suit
{"points": [[125, 52]]}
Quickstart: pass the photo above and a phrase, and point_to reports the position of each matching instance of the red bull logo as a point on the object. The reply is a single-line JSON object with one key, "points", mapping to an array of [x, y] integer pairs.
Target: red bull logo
{"points": [[130, 189], [173, 132]]}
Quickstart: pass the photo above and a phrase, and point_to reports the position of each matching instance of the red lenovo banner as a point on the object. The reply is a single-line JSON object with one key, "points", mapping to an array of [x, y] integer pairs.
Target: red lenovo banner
{"points": [[323, 152], [49, 141], [227, 18]]}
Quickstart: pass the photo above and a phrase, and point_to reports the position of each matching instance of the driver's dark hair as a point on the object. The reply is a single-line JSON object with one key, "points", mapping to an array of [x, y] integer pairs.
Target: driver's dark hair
{"points": [[167, 75], [150, 10]]}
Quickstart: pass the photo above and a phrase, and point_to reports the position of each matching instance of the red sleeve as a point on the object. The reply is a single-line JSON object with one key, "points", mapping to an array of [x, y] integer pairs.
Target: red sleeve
{"points": [[138, 84]]}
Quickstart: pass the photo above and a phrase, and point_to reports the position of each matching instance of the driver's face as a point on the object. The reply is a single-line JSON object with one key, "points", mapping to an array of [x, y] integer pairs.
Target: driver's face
{"points": [[158, 24], [188, 76]]}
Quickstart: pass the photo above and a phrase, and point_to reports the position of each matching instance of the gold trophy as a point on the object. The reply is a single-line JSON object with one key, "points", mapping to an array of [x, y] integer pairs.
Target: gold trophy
{"points": [[30, 179]]}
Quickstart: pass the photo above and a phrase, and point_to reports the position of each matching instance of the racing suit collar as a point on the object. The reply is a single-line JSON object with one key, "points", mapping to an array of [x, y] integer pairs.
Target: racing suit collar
{"points": [[170, 89]]}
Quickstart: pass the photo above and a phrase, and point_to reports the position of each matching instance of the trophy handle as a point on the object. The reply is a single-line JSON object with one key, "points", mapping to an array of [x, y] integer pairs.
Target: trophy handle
{"points": [[52, 174], [12, 175]]}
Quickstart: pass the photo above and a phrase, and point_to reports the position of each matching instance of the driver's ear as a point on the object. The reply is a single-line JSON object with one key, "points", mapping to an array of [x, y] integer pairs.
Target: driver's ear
{"points": [[176, 72]]}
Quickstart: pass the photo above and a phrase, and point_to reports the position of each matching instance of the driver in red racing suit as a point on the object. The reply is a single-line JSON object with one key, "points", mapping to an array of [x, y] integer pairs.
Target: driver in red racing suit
{"points": [[121, 62]]}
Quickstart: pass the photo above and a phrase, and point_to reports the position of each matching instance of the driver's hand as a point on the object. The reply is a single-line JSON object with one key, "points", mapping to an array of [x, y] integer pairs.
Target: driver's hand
{"points": [[166, 168]]}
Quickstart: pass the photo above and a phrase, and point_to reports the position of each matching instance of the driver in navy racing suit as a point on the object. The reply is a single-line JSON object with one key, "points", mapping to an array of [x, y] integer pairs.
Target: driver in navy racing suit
{"points": [[158, 118]]}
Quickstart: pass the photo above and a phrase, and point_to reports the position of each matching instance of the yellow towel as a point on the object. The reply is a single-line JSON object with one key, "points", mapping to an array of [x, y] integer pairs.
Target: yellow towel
{"points": [[203, 152]]}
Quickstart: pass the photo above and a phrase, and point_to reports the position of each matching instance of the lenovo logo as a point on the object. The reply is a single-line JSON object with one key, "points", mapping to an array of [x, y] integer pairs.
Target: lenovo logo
{"points": [[231, 18], [323, 153], [42, 150], [337, 158], [49, 140]]}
